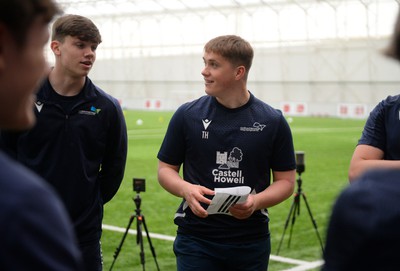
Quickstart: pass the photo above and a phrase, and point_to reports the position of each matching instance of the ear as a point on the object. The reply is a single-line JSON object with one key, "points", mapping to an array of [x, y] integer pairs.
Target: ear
{"points": [[55, 47], [240, 72]]}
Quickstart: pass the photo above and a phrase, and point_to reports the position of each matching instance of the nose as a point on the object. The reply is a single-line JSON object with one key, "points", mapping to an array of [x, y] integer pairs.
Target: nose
{"points": [[204, 71], [89, 52]]}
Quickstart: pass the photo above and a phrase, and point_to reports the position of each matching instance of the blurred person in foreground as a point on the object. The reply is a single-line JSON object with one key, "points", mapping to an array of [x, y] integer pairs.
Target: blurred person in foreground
{"points": [[363, 232], [227, 138], [79, 143], [36, 233], [379, 145]]}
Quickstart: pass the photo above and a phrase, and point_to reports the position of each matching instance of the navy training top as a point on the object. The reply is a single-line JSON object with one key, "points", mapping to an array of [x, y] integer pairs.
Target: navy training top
{"points": [[221, 147], [382, 129]]}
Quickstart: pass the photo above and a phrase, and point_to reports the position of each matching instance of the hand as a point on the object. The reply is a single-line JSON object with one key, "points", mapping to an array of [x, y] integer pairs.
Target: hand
{"points": [[194, 194], [243, 210]]}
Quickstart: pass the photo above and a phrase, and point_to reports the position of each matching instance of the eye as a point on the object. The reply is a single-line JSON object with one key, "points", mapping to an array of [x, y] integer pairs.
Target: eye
{"points": [[80, 45], [211, 64]]}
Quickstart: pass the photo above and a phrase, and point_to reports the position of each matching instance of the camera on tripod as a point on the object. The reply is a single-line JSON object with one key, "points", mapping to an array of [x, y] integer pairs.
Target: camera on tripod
{"points": [[300, 166], [139, 185], [295, 208]]}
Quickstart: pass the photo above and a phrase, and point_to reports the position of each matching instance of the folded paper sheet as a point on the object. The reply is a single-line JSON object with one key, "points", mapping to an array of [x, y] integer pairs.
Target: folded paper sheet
{"points": [[224, 198]]}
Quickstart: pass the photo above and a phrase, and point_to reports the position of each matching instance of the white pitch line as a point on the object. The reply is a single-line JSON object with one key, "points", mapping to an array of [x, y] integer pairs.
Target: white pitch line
{"points": [[302, 265], [134, 232], [287, 260], [305, 267]]}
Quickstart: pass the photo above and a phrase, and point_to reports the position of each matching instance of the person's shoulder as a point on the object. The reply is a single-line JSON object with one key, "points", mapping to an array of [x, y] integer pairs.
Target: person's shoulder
{"points": [[386, 107], [197, 104], [375, 185], [266, 109], [391, 100], [264, 105], [99, 91], [44, 88], [371, 202], [102, 96], [381, 178]]}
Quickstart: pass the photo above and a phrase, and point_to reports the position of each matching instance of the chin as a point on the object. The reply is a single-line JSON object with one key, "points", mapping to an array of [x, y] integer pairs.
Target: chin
{"points": [[208, 92]]}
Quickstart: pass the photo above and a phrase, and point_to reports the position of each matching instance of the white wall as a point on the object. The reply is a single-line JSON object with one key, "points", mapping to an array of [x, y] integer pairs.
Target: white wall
{"points": [[320, 79]]}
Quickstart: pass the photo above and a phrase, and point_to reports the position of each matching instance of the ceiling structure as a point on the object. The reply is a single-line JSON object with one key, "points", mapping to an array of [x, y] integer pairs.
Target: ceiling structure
{"points": [[133, 28]]}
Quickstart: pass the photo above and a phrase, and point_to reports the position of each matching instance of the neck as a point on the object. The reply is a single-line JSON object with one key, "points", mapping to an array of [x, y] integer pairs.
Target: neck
{"points": [[66, 85], [235, 101]]}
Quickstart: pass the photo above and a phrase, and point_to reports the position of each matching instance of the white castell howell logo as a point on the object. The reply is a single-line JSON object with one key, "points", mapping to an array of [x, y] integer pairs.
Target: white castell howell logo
{"points": [[228, 170]]}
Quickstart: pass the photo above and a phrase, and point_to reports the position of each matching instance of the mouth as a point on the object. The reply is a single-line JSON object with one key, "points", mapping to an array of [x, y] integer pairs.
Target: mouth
{"points": [[207, 82], [88, 63]]}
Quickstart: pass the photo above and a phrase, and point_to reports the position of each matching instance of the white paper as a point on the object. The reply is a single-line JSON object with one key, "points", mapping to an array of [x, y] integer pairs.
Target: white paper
{"points": [[224, 198]]}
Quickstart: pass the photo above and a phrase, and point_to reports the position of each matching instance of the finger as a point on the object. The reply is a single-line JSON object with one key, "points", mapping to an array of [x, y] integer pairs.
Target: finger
{"points": [[207, 191], [197, 209], [205, 200]]}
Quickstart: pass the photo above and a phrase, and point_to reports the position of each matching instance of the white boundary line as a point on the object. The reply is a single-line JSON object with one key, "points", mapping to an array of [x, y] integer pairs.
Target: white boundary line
{"points": [[301, 265], [155, 235], [305, 267]]}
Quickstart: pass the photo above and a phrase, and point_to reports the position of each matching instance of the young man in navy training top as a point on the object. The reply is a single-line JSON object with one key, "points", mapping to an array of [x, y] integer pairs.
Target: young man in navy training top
{"points": [[79, 143], [36, 233], [363, 231], [226, 138], [379, 145]]}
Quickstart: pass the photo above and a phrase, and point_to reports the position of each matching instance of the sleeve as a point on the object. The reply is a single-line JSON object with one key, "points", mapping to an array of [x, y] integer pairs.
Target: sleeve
{"points": [[284, 155], [172, 150], [113, 165], [374, 133], [40, 235]]}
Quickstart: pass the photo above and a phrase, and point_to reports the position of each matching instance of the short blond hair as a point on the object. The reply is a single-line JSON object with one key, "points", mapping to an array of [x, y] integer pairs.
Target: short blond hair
{"points": [[233, 48]]}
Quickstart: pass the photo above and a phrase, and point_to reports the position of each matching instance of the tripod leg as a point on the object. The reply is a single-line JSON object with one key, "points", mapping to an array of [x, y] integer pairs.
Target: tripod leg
{"points": [[118, 249], [313, 222], [296, 210], [286, 224], [139, 240], [153, 252]]}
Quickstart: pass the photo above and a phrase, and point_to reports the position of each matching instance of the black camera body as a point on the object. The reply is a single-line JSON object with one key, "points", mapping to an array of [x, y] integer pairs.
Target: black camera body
{"points": [[139, 185], [300, 165]]}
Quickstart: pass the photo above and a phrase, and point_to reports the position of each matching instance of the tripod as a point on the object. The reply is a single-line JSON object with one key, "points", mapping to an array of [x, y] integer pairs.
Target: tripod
{"points": [[139, 237], [295, 210]]}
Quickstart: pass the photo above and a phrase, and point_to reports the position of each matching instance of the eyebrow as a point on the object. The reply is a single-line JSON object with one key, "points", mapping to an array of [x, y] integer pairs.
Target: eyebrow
{"points": [[211, 59]]}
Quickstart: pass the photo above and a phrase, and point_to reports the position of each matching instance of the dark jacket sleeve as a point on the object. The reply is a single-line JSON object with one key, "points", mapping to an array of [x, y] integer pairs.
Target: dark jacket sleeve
{"points": [[113, 166]]}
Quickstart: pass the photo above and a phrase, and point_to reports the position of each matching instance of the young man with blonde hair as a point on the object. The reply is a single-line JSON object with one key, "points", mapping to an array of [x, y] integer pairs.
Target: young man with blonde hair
{"points": [[225, 139]]}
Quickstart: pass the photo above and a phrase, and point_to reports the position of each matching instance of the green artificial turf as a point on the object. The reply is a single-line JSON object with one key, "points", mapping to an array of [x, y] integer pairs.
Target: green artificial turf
{"points": [[328, 144]]}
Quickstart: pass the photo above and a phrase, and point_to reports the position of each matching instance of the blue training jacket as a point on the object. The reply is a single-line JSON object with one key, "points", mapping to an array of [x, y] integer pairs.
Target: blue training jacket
{"points": [[81, 153]]}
